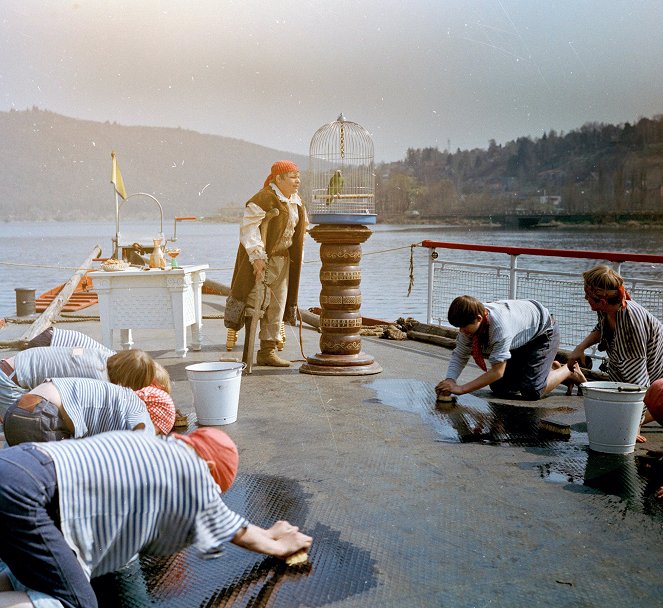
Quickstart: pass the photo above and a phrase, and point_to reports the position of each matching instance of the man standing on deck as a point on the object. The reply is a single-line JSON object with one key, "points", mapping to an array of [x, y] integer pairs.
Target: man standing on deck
{"points": [[520, 340], [278, 257]]}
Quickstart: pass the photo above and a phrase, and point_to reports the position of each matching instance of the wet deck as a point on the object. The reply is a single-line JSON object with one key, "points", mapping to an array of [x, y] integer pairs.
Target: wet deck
{"points": [[410, 503]]}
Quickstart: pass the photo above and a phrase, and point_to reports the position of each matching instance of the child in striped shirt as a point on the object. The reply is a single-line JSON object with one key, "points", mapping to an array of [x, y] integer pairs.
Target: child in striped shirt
{"points": [[63, 408], [74, 510]]}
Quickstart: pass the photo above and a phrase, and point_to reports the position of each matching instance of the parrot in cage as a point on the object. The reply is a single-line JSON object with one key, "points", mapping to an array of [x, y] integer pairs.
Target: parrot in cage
{"points": [[335, 186]]}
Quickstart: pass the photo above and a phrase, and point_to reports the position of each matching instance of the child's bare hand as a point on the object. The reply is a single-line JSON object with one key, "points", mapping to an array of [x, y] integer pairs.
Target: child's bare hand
{"points": [[447, 387], [293, 541], [281, 528]]}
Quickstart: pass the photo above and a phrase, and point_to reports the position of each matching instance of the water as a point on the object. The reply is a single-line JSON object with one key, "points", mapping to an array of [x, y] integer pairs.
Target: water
{"points": [[35, 255]]}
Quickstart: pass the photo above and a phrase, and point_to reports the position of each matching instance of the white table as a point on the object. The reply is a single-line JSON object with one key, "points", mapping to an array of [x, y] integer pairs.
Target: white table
{"points": [[138, 299]]}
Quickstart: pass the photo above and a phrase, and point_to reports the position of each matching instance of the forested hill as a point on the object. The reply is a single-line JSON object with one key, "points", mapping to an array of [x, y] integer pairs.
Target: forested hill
{"points": [[54, 167], [597, 168]]}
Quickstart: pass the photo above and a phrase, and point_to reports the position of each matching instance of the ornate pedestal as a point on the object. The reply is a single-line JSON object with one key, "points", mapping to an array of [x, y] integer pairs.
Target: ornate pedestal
{"points": [[340, 300]]}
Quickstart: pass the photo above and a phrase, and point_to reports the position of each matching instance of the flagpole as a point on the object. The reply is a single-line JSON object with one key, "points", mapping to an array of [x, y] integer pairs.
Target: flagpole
{"points": [[117, 225]]}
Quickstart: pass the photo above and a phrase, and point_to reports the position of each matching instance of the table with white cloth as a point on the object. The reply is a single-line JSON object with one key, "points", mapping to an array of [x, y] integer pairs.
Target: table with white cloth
{"points": [[150, 299]]}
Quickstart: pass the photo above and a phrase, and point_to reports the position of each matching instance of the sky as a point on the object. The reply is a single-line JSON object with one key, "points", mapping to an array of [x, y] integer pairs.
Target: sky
{"points": [[446, 74]]}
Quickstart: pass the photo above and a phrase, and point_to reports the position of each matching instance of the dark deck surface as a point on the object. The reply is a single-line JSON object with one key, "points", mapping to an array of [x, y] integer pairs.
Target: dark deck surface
{"points": [[410, 503]]}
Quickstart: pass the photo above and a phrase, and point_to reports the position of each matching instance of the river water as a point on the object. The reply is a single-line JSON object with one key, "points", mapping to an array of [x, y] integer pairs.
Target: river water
{"points": [[42, 255]]}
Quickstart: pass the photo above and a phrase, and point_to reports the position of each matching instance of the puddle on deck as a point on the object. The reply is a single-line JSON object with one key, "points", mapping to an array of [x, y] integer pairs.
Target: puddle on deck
{"points": [[632, 478], [469, 418], [336, 570]]}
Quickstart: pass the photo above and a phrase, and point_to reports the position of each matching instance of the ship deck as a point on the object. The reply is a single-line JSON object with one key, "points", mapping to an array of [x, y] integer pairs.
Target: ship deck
{"points": [[410, 503]]}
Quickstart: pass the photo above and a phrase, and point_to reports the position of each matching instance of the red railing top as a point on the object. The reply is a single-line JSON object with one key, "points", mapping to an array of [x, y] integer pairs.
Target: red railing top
{"points": [[611, 256]]}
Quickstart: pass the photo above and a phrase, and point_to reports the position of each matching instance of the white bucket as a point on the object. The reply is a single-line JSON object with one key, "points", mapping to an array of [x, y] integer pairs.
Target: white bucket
{"points": [[613, 411], [215, 388]]}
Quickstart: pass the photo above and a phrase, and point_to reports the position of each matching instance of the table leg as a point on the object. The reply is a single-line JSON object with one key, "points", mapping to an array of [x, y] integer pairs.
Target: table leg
{"points": [[177, 302], [197, 281], [126, 339]]}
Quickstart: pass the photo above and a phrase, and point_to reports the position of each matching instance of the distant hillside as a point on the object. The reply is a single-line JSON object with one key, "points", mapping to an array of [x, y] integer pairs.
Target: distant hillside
{"points": [[55, 167], [598, 169]]}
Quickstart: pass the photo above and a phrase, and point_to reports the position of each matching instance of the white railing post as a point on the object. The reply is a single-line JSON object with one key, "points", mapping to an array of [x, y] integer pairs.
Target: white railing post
{"points": [[432, 255], [513, 278]]}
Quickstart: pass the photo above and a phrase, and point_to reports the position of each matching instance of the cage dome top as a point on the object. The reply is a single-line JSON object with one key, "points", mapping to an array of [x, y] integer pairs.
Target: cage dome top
{"points": [[342, 140]]}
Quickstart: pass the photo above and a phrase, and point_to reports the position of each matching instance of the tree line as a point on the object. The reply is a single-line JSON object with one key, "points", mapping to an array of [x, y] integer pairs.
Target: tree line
{"points": [[598, 169]]}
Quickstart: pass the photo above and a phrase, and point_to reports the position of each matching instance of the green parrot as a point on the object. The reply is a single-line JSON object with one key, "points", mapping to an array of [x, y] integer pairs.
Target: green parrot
{"points": [[335, 186]]}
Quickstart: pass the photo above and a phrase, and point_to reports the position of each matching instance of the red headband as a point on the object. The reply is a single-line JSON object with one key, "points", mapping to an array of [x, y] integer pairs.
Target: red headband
{"points": [[279, 168], [218, 450]]}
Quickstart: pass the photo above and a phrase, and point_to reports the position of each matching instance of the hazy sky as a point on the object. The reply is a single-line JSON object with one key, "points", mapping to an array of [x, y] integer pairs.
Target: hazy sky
{"points": [[414, 73]]}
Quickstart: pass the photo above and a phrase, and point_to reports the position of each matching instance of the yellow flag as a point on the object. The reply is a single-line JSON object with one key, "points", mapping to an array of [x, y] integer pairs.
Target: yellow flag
{"points": [[116, 178]]}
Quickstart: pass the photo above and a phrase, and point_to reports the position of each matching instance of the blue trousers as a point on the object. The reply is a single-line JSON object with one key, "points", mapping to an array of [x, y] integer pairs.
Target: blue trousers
{"points": [[527, 370], [32, 545]]}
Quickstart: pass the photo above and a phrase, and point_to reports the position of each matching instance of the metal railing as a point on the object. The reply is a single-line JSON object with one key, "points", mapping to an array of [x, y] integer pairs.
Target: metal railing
{"points": [[553, 277]]}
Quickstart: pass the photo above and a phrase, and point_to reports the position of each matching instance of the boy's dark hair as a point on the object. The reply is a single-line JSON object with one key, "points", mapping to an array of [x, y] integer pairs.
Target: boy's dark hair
{"points": [[464, 310]]}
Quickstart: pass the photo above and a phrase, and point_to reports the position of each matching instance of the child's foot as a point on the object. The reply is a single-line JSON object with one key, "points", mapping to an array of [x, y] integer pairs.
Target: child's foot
{"points": [[576, 378]]}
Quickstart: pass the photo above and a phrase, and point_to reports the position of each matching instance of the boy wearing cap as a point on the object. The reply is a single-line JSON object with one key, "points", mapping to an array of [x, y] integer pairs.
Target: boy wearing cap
{"points": [[279, 255], [64, 408], [74, 510]]}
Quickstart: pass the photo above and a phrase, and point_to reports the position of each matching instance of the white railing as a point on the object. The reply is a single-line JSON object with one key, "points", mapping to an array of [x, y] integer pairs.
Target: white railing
{"points": [[553, 277]]}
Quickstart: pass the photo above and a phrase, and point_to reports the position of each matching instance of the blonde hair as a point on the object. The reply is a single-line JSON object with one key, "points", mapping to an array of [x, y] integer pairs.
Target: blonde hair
{"points": [[602, 277], [161, 378], [602, 282], [132, 368]]}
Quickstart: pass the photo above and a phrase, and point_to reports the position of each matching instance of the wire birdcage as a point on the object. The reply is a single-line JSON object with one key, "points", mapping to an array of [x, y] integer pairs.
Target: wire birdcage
{"points": [[342, 177]]}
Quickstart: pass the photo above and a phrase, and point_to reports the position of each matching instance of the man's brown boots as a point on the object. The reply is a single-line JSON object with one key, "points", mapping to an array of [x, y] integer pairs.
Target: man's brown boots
{"points": [[267, 355]]}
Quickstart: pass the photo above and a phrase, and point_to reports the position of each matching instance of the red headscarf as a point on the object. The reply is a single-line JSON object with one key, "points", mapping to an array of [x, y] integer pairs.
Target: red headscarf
{"points": [[279, 168], [159, 406], [218, 451]]}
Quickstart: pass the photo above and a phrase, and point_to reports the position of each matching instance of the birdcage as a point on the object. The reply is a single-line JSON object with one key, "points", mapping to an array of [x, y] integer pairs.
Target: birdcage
{"points": [[342, 178]]}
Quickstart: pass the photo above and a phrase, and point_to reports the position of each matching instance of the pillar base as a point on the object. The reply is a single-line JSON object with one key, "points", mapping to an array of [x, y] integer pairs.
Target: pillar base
{"points": [[340, 365]]}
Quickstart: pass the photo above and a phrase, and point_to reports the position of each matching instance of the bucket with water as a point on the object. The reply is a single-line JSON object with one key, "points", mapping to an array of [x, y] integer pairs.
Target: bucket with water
{"points": [[215, 388], [613, 411]]}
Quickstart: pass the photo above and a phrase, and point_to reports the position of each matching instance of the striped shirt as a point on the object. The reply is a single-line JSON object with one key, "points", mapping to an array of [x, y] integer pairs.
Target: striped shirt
{"points": [[512, 324], [635, 350], [123, 493], [71, 337], [95, 406], [34, 365]]}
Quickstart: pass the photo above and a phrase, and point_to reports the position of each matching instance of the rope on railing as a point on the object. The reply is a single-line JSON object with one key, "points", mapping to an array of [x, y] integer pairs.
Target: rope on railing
{"points": [[212, 268]]}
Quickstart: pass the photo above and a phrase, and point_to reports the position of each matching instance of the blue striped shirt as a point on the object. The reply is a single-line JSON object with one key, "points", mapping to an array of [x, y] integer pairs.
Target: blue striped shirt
{"points": [[71, 337], [34, 365], [123, 493], [95, 406]]}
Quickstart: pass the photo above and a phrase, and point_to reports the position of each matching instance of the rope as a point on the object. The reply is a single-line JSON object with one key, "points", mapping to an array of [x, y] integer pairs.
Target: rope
{"points": [[301, 334], [212, 268], [411, 282]]}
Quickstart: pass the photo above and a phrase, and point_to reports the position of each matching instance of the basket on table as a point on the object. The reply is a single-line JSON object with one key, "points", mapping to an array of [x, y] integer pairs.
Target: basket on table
{"points": [[112, 265]]}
